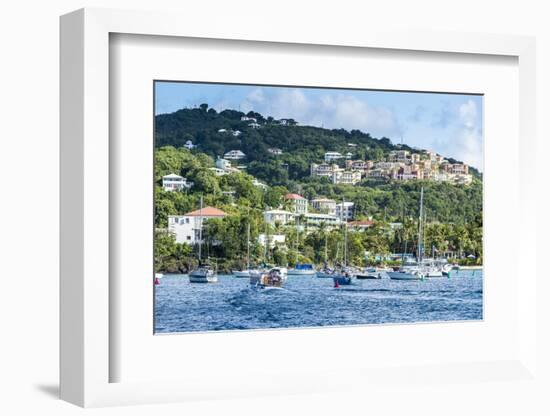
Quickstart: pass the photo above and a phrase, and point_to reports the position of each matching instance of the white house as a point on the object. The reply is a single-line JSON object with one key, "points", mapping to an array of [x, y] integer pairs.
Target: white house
{"points": [[278, 216], [189, 145], [344, 210], [173, 182], [218, 171], [274, 239], [234, 155], [324, 205], [186, 227], [246, 118], [254, 125], [223, 164], [299, 203], [330, 156], [346, 177], [236, 133], [318, 219], [222, 131]]}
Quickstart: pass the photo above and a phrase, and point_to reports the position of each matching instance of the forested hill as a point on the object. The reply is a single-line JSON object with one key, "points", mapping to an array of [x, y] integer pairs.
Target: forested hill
{"points": [[301, 145]]}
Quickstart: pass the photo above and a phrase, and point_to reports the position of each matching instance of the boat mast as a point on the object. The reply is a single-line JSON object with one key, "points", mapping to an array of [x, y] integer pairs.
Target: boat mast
{"points": [[266, 242], [200, 232], [345, 234], [248, 247], [420, 225]]}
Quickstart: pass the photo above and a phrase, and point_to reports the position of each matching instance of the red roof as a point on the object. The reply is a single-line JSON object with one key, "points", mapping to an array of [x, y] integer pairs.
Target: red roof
{"points": [[207, 212], [293, 196]]}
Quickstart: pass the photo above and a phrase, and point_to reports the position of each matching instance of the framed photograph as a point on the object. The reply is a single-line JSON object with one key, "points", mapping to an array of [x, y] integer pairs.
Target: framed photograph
{"points": [[304, 213], [310, 213]]}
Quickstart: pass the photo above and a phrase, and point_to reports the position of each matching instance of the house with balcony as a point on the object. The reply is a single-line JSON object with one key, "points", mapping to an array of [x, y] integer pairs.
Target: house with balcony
{"points": [[173, 182], [345, 210], [324, 205], [298, 203], [332, 156], [234, 155], [278, 216]]}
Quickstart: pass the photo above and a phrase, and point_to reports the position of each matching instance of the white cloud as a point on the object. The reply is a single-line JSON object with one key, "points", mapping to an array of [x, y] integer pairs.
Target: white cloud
{"points": [[327, 110], [465, 141]]}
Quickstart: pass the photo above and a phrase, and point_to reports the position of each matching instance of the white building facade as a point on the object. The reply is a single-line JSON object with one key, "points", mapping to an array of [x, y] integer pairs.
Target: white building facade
{"points": [[186, 228], [173, 182], [345, 210]]}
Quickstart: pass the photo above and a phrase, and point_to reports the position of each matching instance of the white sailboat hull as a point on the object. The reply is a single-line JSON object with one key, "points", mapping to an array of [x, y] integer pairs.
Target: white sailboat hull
{"points": [[199, 276], [405, 276], [293, 272]]}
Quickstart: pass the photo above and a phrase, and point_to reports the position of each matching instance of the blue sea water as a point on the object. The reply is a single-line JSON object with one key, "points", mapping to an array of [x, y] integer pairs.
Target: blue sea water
{"points": [[231, 304]]}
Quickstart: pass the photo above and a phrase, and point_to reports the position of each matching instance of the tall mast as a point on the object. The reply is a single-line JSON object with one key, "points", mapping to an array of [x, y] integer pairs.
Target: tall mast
{"points": [[248, 247], [345, 234], [266, 242], [420, 224], [326, 248], [200, 232]]}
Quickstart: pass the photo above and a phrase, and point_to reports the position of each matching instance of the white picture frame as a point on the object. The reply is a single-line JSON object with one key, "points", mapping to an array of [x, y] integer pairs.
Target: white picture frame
{"points": [[86, 355]]}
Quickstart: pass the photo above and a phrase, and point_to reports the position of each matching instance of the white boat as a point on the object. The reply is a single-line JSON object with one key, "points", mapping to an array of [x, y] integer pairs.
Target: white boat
{"points": [[273, 279], [302, 270], [415, 270], [248, 271], [369, 273], [406, 275], [204, 273], [159, 275], [244, 273]]}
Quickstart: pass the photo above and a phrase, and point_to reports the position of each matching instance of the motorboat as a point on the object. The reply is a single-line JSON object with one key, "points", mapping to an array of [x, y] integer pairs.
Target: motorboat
{"points": [[203, 274]]}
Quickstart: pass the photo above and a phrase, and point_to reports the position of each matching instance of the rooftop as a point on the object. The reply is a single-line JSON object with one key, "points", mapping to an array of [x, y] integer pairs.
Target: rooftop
{"points": [[207, 212], [172, 175], [293, 196]]}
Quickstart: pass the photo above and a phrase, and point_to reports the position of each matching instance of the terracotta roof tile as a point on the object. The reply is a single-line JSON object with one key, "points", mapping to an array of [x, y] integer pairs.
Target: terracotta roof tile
{"points": [[207, 212]]}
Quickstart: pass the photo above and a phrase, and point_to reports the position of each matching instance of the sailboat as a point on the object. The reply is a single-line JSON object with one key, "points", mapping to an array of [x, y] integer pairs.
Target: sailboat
{"points": [[411, 270], [325, 271], [248, 271], [343, 274], [204, 273], [304, 269]]}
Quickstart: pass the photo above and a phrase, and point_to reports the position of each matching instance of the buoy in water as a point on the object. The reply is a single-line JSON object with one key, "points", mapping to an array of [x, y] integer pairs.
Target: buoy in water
{"points": [[157, 281], [336, 285]]}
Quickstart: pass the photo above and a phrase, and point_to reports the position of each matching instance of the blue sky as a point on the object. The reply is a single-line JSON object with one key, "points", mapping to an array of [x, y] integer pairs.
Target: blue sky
{"points": [[450, 124]]}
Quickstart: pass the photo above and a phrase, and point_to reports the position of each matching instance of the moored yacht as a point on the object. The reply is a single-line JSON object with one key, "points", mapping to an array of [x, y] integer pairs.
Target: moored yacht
{"points": [[302, 270], [204, 273]]}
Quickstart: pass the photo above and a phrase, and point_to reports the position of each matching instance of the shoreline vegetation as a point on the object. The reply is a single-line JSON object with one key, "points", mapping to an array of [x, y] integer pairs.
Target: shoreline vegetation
{"points": [[277, 162]]}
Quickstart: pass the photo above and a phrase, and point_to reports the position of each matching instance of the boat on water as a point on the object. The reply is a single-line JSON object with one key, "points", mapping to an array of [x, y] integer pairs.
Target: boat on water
{"points": [[204, 273], [343, 275], [369, 273], [157, 278], [302, 270], [407, 275], [273, 279], [246, 273], [410, 269]]}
